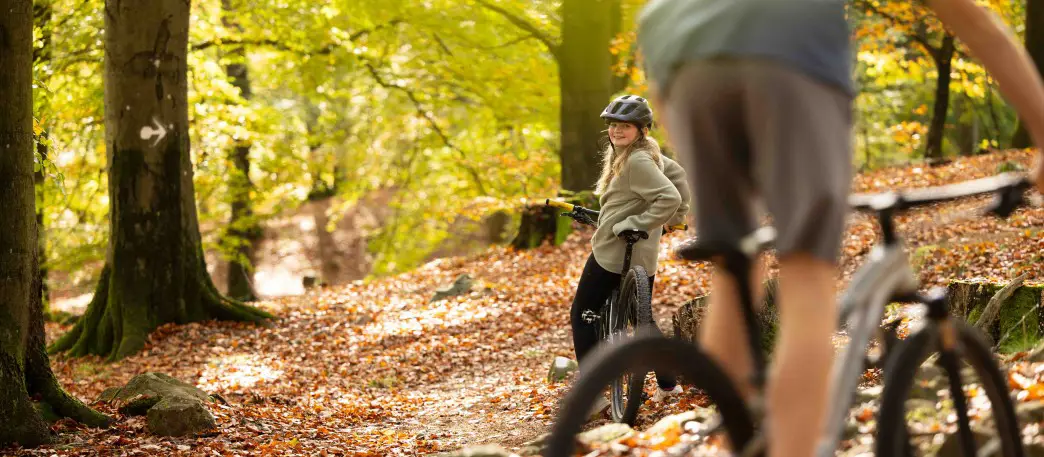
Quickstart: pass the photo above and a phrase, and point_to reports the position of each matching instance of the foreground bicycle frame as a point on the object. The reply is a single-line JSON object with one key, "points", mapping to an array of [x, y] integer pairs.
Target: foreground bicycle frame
{"points": [[885, 277]]}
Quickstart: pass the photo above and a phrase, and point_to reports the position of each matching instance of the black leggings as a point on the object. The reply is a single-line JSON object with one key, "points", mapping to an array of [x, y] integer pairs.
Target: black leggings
{"points": [[595, 286]]}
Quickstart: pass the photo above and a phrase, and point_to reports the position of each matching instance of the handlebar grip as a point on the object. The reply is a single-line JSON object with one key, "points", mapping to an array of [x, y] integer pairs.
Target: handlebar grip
{"points": [[558, 204]]}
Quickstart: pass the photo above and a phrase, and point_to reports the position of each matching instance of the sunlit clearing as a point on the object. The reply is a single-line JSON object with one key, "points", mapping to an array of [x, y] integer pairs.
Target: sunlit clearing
{"points": [[238, 371], [72, 305], [279, 282], [442, 314]]}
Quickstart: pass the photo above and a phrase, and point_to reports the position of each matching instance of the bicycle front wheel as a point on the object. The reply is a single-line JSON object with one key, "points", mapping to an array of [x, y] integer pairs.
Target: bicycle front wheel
{"points": [[645, 352], [894, 434], [634, 311]]}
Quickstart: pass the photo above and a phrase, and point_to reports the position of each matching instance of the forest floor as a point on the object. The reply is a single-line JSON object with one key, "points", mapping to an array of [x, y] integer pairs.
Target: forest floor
{"points": [[374, 368]]}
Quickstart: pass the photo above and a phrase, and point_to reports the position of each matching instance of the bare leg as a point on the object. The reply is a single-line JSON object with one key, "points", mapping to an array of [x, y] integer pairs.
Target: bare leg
{"points": [[722, 334], [798, 388]]}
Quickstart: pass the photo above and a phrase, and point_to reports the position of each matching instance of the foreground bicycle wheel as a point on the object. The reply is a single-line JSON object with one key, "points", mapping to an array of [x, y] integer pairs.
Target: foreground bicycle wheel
{"points": [[894, 437], [645, 352]]}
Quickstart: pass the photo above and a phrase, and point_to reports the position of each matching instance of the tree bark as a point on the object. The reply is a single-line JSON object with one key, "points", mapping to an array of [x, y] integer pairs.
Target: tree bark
{"points": [[585, 82], [244, 230], [25, 370], [943, 64], [627, 60], [155, 271], [42, 14], [1035, 47]]}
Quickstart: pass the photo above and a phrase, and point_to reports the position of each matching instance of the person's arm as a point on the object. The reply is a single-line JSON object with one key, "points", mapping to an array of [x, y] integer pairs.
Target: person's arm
{"points": [[648, 181], [676, 174], [992, 42]]}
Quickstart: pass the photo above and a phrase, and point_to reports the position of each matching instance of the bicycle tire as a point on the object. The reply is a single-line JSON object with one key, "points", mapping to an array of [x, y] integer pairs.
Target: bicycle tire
{"points": [[617, 314], [900, 373], [648, 351], [635, 289]]}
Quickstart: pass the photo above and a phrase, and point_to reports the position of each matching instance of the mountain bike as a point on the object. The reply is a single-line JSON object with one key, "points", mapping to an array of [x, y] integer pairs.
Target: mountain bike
{"points": [[629, 306], [886, 277]]}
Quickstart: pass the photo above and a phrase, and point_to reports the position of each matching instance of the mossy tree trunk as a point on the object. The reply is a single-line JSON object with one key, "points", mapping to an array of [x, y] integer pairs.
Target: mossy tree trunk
{"points": [[155, 271], [585, 81], [25, 371], [244, 230]]}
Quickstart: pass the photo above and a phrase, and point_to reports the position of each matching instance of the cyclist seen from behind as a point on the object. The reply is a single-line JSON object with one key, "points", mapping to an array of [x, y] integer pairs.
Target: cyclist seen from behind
{"points": [[757, 97], [639, 189]]}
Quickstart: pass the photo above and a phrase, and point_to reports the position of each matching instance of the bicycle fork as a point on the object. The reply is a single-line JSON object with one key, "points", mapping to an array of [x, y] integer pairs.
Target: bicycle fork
{"points": [[949, 360]]}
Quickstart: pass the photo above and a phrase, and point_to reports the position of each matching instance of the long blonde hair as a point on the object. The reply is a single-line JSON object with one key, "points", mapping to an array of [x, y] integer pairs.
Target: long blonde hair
{"points": [[613, 160]]}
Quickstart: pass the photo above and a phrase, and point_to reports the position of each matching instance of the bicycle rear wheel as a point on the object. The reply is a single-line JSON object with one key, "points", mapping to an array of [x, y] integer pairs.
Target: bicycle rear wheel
{"points": [[645, 352], [894, 435]]}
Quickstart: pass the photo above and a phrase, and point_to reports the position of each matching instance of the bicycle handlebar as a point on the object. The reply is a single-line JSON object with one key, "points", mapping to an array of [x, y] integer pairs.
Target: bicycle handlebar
{"points": [[558, 204], [1008, 187], [579, 211]]}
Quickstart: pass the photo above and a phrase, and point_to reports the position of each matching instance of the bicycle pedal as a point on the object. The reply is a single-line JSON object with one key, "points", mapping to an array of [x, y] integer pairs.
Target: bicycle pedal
{"points": [[589, 316]]}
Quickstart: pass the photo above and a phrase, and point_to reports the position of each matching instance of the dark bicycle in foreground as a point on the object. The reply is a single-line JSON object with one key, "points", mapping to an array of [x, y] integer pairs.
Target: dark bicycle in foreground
{"points": [[886, 277]]}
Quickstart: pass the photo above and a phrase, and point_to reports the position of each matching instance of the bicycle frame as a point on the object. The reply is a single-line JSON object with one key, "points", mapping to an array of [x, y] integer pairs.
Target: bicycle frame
{"points": [[884, 277], [887, 274]]}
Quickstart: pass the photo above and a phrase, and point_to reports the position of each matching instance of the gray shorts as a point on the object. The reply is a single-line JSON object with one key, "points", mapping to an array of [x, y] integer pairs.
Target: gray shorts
{"points": [[751, 131]]}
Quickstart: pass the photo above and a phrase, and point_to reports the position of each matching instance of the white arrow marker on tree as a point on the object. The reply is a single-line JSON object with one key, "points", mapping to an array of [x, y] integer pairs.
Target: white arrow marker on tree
{"points": [[148, 132]]}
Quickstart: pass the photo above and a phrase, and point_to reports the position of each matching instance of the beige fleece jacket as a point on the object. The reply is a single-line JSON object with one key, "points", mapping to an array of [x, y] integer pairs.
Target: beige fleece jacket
{"points": [[644, 196]]}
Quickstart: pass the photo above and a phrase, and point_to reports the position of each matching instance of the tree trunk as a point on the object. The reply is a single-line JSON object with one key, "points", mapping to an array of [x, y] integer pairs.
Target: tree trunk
{"points": [[244, 230], [1035, 47], [943, 63], [627, 61], [967, 129], [585, 81], [155, 270], [25, 370], [329, 254], [42, 14]]}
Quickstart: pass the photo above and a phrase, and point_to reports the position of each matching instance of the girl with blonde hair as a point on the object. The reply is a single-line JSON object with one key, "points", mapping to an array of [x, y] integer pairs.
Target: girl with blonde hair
{"points": [[639, 189]]}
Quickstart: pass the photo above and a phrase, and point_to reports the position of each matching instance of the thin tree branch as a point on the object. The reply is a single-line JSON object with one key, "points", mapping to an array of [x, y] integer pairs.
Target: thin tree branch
{"points": [[328, 48], [431, 121], [524, 24], [934, 52]]}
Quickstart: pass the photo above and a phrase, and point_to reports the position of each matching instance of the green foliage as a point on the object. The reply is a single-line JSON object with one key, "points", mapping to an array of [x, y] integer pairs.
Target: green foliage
{"points": [[451, 106]]}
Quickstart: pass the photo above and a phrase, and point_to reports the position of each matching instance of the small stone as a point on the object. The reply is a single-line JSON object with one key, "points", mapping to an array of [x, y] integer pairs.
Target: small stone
{"points": [[179, 416], [460, 286], [606, 434], [560, 368]]}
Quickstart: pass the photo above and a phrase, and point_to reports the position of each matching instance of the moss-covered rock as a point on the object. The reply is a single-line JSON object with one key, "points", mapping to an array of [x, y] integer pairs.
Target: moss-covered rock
{"points": [[173, 407], [179, 416], [1020, 318]]}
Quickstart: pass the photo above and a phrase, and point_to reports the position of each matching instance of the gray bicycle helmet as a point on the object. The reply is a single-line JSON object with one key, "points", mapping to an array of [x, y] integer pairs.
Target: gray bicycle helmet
{"points": [[629, 108]]}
